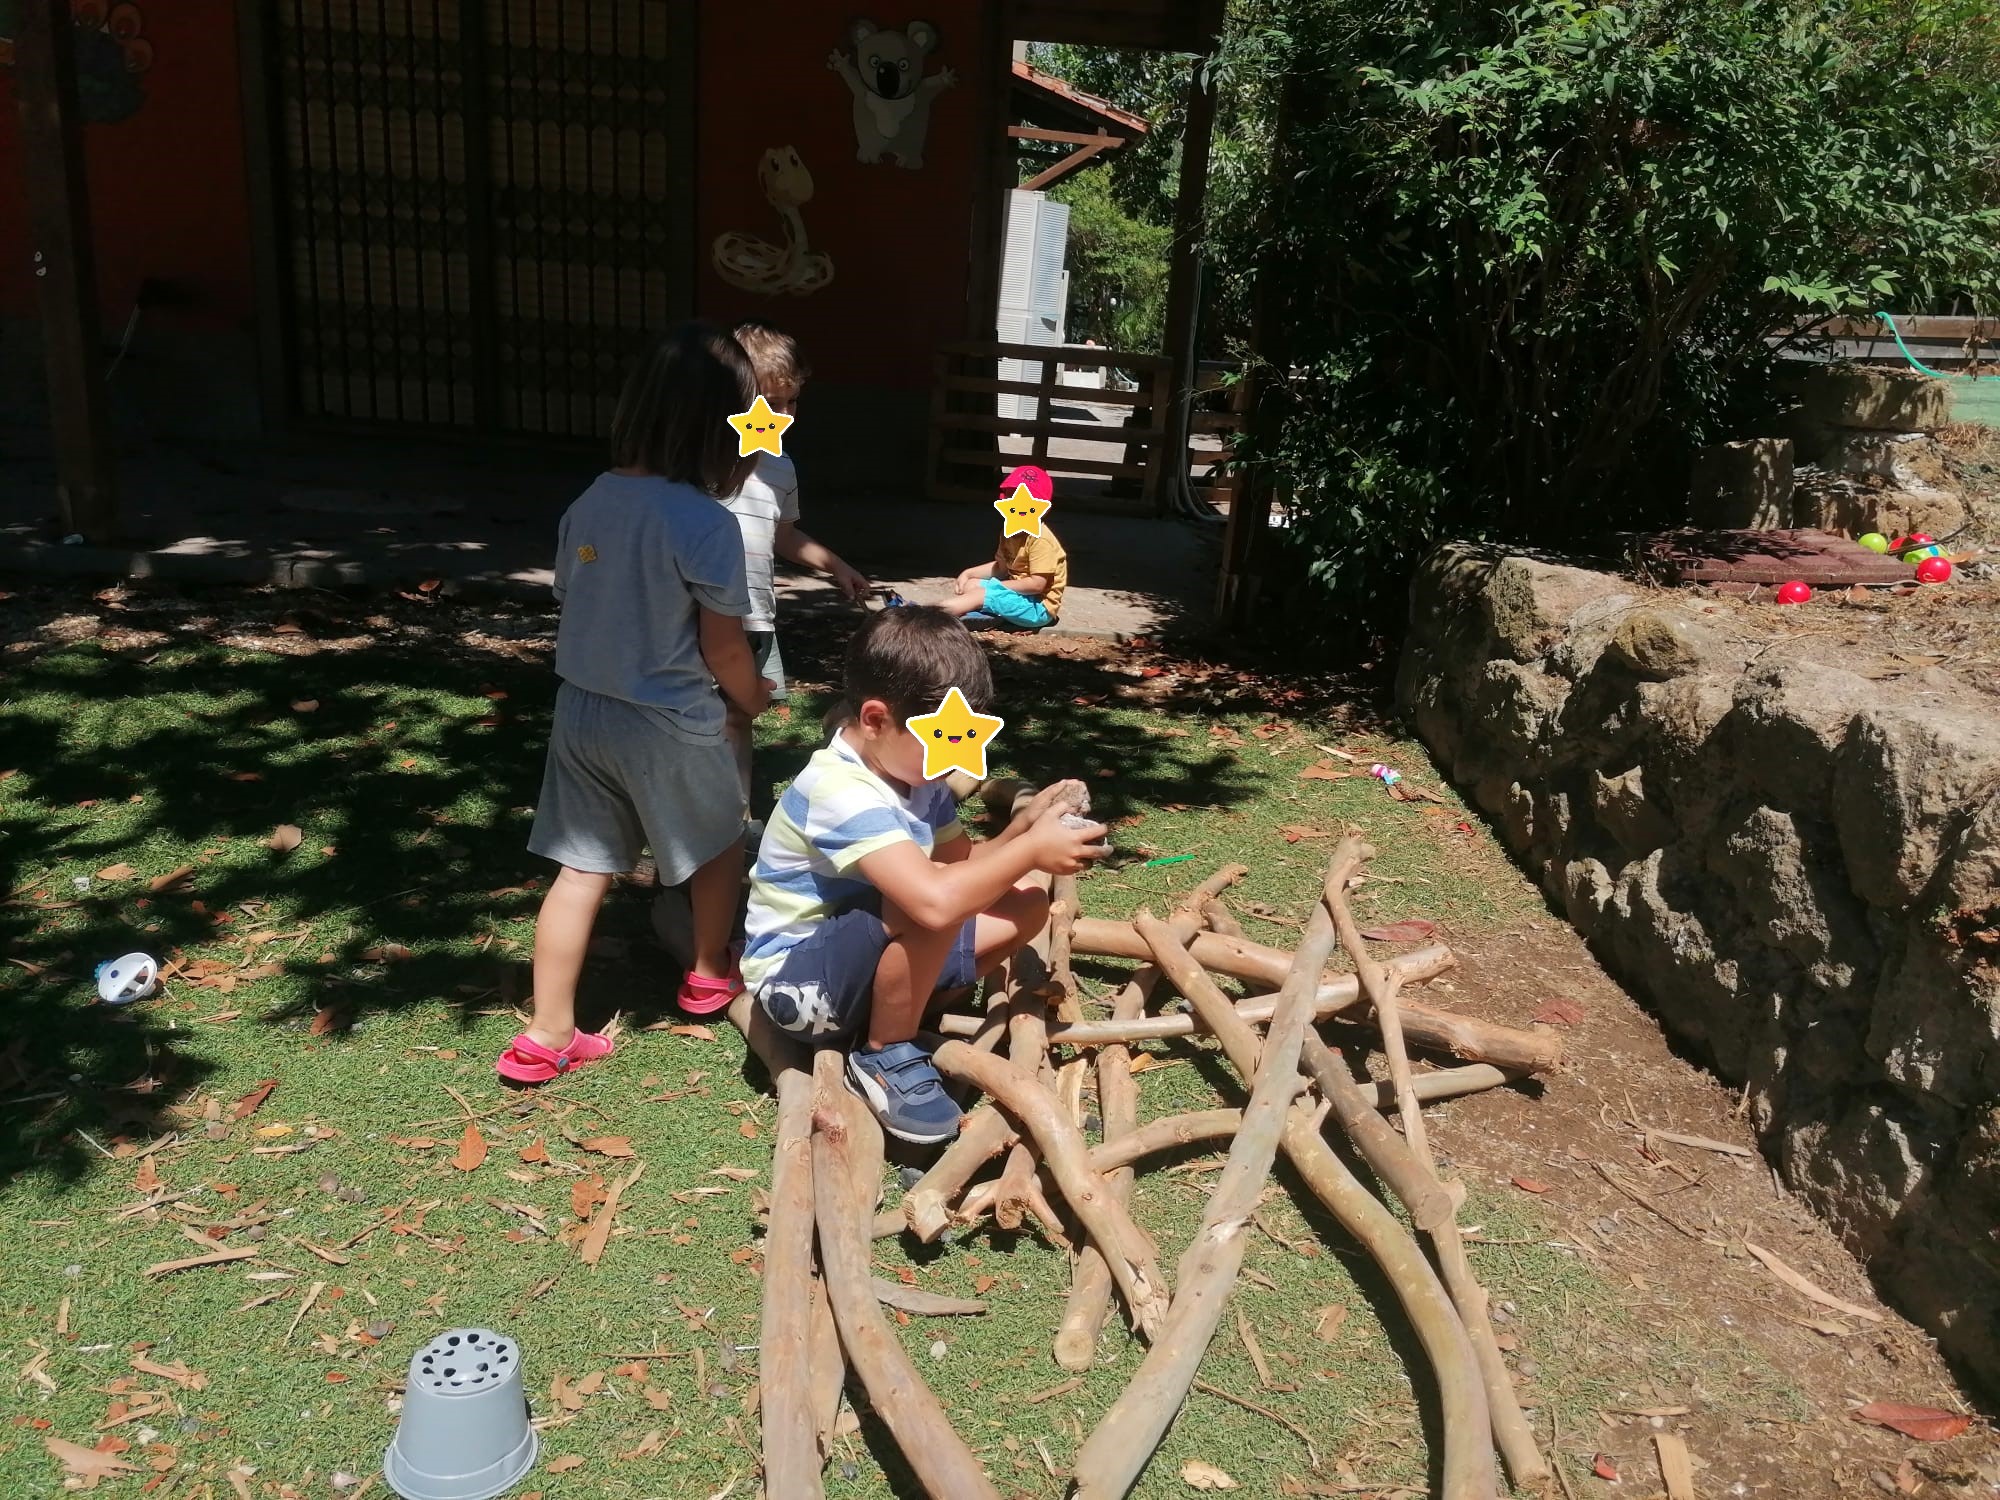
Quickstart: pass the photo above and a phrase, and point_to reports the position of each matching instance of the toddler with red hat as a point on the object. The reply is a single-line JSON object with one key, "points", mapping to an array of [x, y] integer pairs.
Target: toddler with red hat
{"points": [[1023, 585]]}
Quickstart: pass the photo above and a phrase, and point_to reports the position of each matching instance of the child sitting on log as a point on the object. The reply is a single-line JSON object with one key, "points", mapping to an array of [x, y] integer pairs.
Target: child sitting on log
{"points": [[867, 895]]}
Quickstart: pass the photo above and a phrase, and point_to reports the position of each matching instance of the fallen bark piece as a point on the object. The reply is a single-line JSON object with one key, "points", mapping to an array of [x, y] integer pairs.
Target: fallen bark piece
{"points": [[935, 1452], [1806, 1288], [196, 1262], [915, 1300], [1676, 1466], [1130, 1253]]}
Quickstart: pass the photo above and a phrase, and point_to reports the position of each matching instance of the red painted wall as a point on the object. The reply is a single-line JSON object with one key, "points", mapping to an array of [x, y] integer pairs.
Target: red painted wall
{"points": [[168, 196], [167, 191], [899, 239]]}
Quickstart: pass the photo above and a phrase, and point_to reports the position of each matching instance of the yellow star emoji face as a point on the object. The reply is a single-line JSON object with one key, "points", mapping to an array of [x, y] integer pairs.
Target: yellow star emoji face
{"points": [[760, 430], [1021, 512], [955, 738]]}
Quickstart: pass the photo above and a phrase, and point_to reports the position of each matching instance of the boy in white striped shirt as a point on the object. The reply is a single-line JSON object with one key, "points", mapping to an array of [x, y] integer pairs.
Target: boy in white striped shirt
{"points": [[867, 895], [767, 510]]}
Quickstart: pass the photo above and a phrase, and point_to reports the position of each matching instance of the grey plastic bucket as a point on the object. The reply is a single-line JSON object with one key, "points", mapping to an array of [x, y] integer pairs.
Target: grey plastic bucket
{"points": [[465, 1433]]}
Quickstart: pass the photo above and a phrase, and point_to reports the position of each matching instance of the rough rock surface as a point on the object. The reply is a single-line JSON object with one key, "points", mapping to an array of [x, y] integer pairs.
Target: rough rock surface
{"points": [[1796, 865]]}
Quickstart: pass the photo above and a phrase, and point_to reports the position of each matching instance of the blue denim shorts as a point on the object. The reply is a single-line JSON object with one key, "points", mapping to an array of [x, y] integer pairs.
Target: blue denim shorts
{"points": [[822, 987], [1002, 603]]}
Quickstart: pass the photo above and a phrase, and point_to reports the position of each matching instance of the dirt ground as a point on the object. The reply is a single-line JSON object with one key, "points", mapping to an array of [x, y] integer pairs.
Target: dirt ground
{"points": [[1673, 1236]]}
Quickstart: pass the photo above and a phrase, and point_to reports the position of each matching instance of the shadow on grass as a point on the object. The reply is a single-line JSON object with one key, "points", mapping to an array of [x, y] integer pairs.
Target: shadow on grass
{"points": [[162, 729]]}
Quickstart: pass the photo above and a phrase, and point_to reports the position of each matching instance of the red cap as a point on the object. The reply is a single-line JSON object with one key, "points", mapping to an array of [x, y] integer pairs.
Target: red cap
{"points": [[1036, 479]]}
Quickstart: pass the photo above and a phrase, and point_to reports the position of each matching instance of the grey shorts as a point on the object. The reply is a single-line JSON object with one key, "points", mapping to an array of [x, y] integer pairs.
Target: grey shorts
{"points": [[618, 782], [764, 649], [823, 985]]}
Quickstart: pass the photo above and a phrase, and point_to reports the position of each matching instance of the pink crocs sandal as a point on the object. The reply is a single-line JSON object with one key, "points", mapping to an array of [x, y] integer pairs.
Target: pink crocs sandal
{"points": [[528, 1061], [702, 996]]}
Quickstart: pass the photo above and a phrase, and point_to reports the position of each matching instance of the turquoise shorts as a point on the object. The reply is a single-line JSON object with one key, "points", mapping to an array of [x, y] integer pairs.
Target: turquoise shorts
{"points": [[1002, 603]]}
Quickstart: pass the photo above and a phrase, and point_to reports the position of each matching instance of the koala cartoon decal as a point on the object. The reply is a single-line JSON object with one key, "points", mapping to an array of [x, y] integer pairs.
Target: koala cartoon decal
{"points": [[892, 97]]}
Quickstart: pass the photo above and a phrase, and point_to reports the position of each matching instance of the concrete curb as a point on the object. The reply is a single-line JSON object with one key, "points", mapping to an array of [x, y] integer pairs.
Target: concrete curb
{"points": [[327, 571], [259, 570]]}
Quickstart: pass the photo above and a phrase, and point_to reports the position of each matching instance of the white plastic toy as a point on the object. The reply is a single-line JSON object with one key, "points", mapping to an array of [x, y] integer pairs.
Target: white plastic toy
{"points": [[123, 980]]}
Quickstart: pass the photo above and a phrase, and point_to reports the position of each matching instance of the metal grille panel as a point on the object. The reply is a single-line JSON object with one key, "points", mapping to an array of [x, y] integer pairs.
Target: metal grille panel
{"points": [[486, 205]]}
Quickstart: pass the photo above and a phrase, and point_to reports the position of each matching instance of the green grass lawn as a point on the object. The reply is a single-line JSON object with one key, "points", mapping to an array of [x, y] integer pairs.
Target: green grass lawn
{"points": [[372, 972]]}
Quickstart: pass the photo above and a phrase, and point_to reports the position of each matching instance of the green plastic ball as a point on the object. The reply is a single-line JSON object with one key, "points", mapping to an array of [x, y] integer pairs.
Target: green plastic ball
{"points": [[1917, 554], [1874, 541]]}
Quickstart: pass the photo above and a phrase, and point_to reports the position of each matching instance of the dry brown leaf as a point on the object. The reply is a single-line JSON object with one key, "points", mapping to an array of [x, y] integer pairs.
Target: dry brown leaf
{"points": [[1806, 1288], [1331, 1320], [88, 1463], [747, 1128], [327, 1022], [564, 1464], [535, 1151], [650, 1446], [148, 1177], [1559, 1012], [608, 1145], [591, 1384], [1325, 771], [305, 705], [565, 1394], [1205, 1476], [471, 1150], [272, 1132], [173, 877], [585, 1194], [251, 1102], [285, 838], [599, 1234], [116, 872], [386, 953], [1927, 1424], [1293, 832], [734, 1174], [1529, 1185], [656, 1398]]}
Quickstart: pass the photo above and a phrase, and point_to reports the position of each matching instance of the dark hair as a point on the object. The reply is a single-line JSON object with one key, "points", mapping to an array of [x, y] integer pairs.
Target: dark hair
{"points": [[673, 415], [910, 658], [774, 355]]}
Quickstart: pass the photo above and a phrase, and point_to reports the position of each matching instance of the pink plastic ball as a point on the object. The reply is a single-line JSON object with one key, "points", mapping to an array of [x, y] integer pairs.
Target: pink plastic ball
{"points": [[1934, 570], [1794, 592]]}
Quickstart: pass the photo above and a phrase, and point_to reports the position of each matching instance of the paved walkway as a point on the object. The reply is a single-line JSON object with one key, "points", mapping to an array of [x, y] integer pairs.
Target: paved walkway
{"points": [[376, 512]]}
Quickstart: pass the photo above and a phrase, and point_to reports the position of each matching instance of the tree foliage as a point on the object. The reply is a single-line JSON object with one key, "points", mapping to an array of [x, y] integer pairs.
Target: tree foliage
{"points": [[1528, 256]]}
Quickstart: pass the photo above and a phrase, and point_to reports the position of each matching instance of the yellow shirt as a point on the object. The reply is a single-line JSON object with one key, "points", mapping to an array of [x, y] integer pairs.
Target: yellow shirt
{"points": [[1023, 556]]}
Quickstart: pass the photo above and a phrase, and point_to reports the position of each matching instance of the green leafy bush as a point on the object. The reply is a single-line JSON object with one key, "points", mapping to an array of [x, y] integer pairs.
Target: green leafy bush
{"points": [[1529, 257]]}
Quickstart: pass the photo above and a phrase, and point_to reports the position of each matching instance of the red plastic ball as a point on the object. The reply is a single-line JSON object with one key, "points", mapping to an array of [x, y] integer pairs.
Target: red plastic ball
{"points": [[1934, 570], [1794, 592]]}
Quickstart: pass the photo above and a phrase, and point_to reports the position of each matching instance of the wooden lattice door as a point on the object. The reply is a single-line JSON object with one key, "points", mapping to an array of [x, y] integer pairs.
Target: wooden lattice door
{"points": [[486, 204]]}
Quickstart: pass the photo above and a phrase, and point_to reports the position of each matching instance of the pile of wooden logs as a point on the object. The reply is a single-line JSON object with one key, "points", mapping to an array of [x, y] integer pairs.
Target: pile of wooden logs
{"points": [[1030, 1054]]}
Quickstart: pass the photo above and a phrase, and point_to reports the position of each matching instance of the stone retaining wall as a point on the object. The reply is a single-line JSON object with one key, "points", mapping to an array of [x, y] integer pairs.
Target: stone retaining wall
{"points": [[1796, 866]]}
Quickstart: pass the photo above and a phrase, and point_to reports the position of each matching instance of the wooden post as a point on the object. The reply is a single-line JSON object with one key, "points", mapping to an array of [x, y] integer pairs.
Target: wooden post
{"points": [[65, 268], [1183, 318], [1245, 538]]}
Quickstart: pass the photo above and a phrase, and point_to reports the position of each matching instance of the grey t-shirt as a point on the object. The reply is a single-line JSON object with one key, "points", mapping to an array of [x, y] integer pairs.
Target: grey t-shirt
{"points": [[636, 561], [769, 497]]}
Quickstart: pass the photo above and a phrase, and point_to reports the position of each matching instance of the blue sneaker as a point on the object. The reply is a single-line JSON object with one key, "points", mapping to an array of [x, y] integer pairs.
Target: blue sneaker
{"points": [[904, 1090]]}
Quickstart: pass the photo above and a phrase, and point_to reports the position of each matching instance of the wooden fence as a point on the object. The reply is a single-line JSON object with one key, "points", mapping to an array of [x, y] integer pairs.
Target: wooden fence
{"points": [[966, 432]]}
